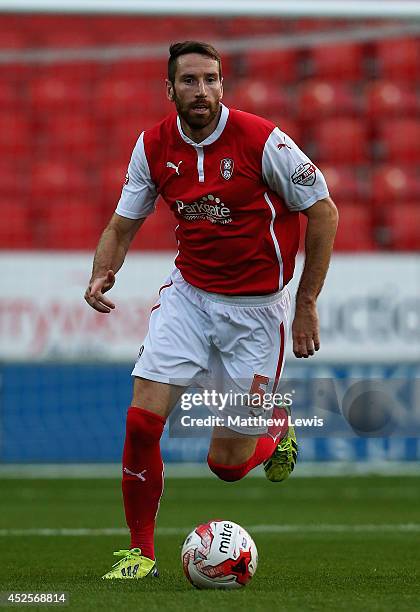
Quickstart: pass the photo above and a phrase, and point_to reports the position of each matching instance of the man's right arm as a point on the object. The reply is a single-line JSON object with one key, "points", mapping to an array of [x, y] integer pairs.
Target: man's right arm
{"points": [[109, 257], [137, 201]]}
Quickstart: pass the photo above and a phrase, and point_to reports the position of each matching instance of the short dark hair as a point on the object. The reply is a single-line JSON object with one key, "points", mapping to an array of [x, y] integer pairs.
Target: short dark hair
{"points": [[190, 46]]}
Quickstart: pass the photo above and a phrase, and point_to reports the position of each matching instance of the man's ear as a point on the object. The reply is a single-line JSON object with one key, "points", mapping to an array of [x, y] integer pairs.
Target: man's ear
{"points": [[169, 90], [221, 88]]}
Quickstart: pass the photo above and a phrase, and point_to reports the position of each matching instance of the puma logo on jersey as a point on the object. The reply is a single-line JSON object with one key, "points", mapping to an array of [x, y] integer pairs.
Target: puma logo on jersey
{"points": [[140, 475], [174, 167]]}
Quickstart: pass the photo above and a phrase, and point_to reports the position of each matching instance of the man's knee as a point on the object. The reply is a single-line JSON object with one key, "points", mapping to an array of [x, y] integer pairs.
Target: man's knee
{"points": [[231, 448], [155, 396]]}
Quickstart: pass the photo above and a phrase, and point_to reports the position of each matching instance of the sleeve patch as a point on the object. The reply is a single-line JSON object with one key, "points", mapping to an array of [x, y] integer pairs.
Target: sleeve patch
{"points": [[304, 174]]}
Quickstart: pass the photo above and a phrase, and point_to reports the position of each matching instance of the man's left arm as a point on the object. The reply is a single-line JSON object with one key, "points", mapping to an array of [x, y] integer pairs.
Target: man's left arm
{"points": [[289, 172], [320, 232]]}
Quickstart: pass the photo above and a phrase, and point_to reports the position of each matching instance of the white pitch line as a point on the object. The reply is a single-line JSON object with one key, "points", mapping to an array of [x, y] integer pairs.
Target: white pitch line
{"points": [[320, 528], [305, 469]]}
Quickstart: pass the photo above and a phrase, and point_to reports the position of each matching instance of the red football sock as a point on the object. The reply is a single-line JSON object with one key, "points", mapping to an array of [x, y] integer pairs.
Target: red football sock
{"points": [[263, 450], [142, 481]]}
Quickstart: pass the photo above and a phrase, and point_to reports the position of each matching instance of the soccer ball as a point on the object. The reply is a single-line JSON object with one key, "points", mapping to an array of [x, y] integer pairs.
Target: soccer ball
{"points": [[219, 555]]}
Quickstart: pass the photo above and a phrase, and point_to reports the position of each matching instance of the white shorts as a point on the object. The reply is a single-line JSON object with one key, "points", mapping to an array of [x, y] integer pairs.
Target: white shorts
{"points": [[216, 342]]}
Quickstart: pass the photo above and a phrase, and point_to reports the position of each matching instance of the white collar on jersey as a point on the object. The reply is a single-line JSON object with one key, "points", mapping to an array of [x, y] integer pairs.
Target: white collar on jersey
{"points": [[213, 136]]}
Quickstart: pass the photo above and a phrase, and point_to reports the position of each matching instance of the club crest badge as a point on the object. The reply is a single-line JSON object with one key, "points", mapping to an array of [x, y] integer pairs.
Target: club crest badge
{"points": [[226, 168]]}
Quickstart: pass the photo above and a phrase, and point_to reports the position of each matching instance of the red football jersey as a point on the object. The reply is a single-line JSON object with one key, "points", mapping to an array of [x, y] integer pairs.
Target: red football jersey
{"points": [[236, 196]]}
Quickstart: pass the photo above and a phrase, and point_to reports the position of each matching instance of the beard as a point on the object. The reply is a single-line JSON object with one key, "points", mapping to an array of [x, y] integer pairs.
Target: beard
{"points": [[195, 120]]}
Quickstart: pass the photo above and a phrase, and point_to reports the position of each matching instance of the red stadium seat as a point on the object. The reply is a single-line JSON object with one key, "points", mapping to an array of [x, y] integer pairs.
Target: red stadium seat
{"points": [[12, 39], [314, 25], [71, 37], [395, 184], [67, 37], [344, 184], [121, 34], [251, 26], [70, 134], [340, 62], [122, 89], [15, 228], [390, 99], [15, 134], [9, 96], [400, 140], [42, 26], [341, 140], [117, 95], [318, 99], [120, 30], [276, 66], [69, 224], [49, 92], [13, 180], [260, 98], [193, 28], [111, 179], [55, 178], [133, 30], [141, 69], [82, 70], [403, 221], [355, 231], [398, 59]]}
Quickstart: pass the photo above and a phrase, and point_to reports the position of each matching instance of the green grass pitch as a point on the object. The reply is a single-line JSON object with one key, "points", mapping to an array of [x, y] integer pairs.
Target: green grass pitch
{"points": [[341, 543]]}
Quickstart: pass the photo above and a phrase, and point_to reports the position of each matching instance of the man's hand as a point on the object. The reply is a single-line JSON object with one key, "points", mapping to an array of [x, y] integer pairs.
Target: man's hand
{"points": [[305, 331], [94, 294]]}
